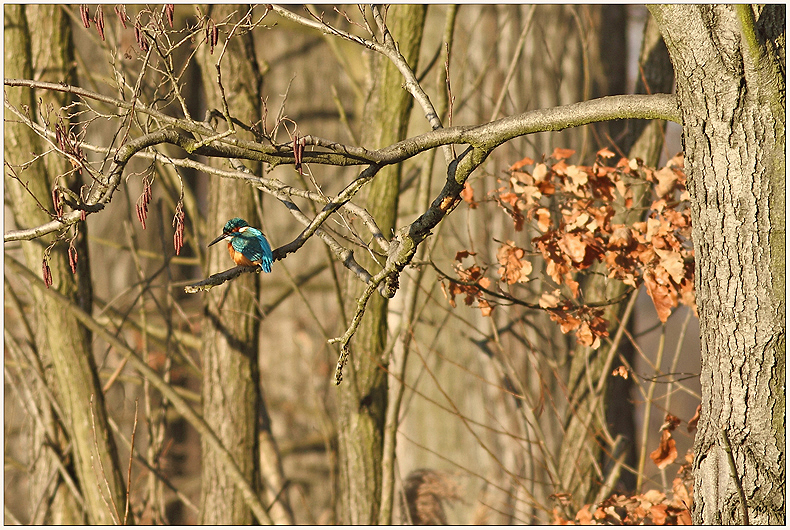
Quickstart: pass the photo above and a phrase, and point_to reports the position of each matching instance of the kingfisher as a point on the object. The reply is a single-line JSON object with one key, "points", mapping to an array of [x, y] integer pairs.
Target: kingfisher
{"points": [[246, 245]]}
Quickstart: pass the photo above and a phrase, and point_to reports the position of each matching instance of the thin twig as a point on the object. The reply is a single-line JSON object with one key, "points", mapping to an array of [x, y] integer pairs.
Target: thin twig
{"points": [[513, 63], [468, 425], [114, 510], [676, 358], [517, 301], [225, 108], [352, 329], [528, 412], [155, 472], [648, 408], [318, 24], [734, 474], [129, 471]]}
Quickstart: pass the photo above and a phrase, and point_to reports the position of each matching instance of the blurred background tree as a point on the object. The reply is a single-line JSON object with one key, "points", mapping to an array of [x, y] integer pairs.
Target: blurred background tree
{"points": [[182, 117]]}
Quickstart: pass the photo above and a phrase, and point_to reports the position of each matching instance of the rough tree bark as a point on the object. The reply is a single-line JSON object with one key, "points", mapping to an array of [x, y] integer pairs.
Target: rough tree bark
{"points": [[233, 404], [363, 393], [44, 34], [729, 63]]}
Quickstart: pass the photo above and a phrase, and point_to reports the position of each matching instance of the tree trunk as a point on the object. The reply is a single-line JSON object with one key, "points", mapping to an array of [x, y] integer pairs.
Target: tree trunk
{"points": [[44, 34], [233, 404], [363, 393], [729, 64]]}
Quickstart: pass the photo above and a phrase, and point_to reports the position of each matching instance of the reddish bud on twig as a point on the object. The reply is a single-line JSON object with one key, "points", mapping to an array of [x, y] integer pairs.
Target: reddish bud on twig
{"points": [[212, 34], [47, 273], [140, 37], [178, 223], [142, 202], [142, 213], [56, 202], [99, 19], [72, 257], [169, 9], [85, 16], [120, 10], [298, 147], [147, 193]]}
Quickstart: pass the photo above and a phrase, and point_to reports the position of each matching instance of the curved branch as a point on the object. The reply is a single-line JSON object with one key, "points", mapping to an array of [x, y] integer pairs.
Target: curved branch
{"points": [[273, 186], [375, 283], [482, 139], [495, 133], [390, 49], [320, 25], [492, 134], [101, 192]]}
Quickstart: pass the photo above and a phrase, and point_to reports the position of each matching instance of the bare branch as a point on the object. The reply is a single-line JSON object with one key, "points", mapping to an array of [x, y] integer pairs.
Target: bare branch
{"points": [[219, 278], [318, 24], [482, 138], [513, 63], [649, 107]]}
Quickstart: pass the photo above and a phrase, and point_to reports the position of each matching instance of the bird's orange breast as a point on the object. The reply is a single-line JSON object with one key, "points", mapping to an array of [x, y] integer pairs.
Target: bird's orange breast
{"points": [[238, 257]]}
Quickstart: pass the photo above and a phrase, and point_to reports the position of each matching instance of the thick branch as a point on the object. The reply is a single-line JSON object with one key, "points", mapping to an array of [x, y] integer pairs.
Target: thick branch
{"points": [[275, 187], [483, 139], [492, 134], [648, 107]]}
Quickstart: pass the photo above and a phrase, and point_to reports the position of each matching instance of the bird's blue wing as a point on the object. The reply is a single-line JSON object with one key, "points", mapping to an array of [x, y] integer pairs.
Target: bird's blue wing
{"points": [[252, 243], [266, 253]]}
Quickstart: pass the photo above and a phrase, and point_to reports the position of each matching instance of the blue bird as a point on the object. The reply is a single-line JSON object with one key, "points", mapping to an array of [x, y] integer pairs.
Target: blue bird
{"points": [[246, 245]]}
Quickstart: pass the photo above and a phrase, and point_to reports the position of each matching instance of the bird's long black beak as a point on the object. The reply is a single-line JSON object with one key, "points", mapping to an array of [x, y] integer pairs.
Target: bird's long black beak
{"points": [[220, 238]]}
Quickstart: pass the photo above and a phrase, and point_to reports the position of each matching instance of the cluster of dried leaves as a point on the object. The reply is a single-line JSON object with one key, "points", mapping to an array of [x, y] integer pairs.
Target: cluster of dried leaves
{"points": [[667, 451], [651, 507], [588, 215]]}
